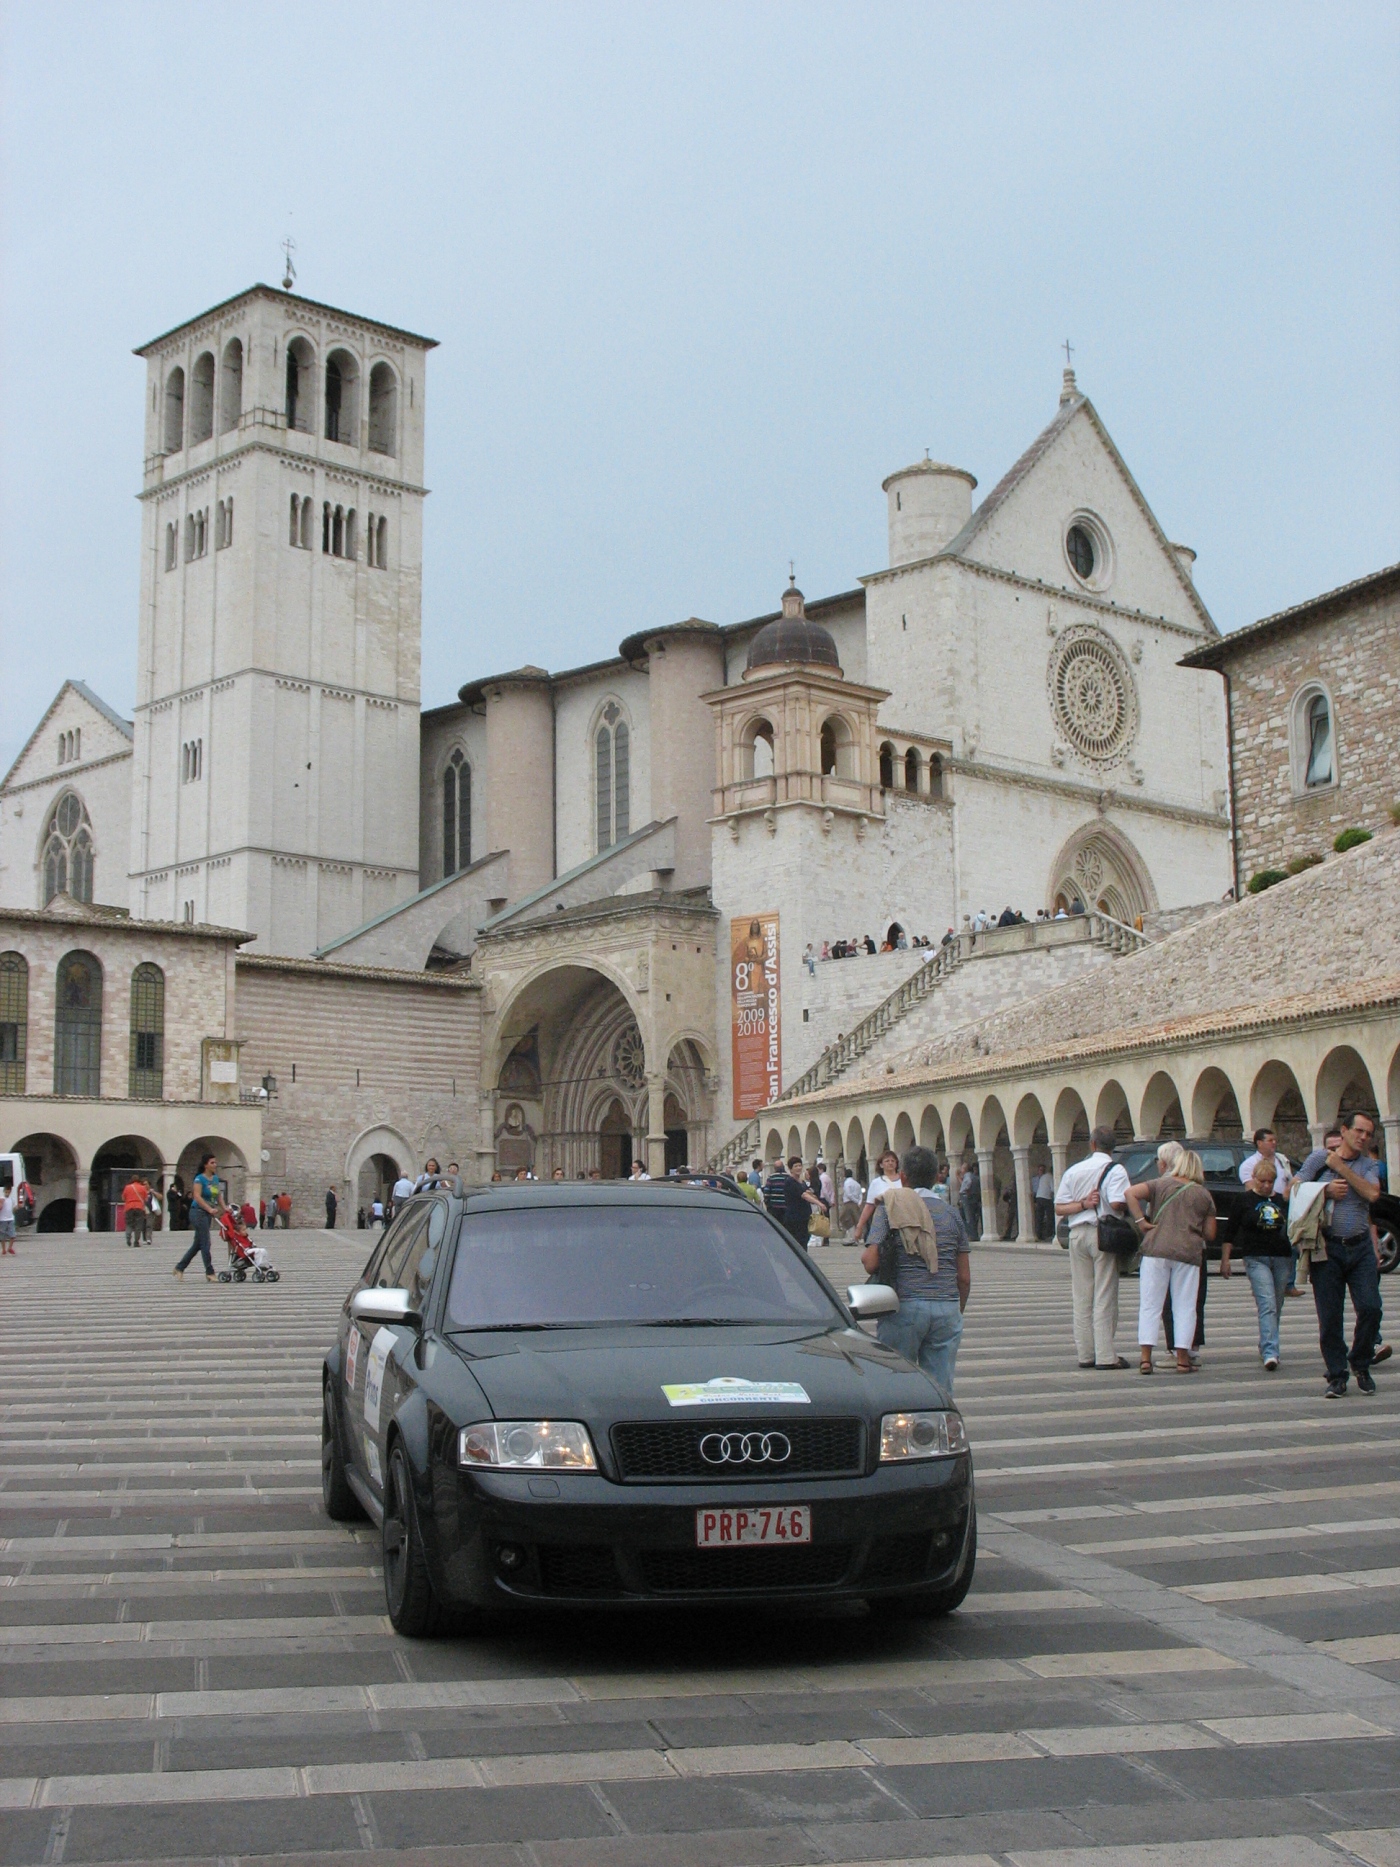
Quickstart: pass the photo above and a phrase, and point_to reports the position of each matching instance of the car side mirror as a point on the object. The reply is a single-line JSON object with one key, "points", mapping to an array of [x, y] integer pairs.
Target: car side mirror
{"points": [[385, 1305], [867, 1300]]}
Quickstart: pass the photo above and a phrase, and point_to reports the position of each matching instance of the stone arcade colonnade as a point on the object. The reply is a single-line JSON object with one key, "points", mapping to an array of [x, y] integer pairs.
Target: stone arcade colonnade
{"points": [[1226, 1073], [66, 1139]]}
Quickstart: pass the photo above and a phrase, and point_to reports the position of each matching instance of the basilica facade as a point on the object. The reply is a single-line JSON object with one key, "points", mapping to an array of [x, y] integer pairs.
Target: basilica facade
{"points": [[621, 867]]}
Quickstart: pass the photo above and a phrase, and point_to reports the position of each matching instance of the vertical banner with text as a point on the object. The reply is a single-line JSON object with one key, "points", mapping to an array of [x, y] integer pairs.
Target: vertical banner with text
{"points": [[756, 1004]]}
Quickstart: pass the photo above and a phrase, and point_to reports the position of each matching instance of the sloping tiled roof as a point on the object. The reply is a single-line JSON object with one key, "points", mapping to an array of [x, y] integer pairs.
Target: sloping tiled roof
{"points": [[1376, 583], [108, 713], [1296, 1008]]}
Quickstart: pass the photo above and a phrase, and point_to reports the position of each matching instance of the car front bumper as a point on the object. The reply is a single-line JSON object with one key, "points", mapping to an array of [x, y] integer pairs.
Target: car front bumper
{"points": [[583, 1540]]}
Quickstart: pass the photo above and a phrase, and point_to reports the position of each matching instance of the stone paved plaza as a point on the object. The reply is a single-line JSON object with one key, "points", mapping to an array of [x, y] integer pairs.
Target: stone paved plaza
{"points": [[1183, 1644]]}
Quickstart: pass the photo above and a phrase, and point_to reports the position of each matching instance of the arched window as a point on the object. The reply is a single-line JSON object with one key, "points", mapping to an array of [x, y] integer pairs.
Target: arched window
{"points": [[294, 521], [325, 528], [146, 1071], [381, 542], [935, 775], [887, 767], [383, 410], [202, 398], [828, 750], [911, 770], [231, 387], [338, 533], [201, 532], [67, 859], [223, 525], [14, 1022], [342, 397], [77, 1027], [350, 534], [174, 438], [612, 747], [1318, 761], [456, 815], [300, 365], [172, 545], [756, 751]]}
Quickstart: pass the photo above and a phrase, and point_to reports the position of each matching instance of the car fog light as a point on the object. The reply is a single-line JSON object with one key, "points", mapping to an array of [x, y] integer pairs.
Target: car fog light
{"points": [[921, 1436], [527, 1445], [510, 1557]]}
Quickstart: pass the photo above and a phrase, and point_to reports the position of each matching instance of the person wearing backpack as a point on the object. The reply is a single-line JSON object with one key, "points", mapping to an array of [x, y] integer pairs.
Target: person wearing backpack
{"points": [[918, 1245], [1088, 1191], [1179, 1224]]}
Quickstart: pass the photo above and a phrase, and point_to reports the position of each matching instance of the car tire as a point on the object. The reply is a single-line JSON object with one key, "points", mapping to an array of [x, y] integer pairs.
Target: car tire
{"points": [[929, 1602], [341, 1504], [1390, 1251], [412, 1600]]}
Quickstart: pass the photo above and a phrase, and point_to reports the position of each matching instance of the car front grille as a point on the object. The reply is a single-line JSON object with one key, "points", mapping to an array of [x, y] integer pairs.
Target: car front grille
{"points": [[696, 1571], [647, 1452]]}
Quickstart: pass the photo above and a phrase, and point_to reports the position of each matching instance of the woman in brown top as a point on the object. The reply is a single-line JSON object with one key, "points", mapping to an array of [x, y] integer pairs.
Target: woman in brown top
{"points": [[1180, 1217]]}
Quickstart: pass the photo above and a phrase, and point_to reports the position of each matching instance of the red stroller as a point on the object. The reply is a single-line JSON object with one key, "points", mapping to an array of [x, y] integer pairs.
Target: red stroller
{"points": [[246, 1261]]}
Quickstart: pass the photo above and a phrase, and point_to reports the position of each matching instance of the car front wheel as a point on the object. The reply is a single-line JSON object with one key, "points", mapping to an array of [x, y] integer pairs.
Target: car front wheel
{"points": [[341, 1504], [408, 1587]]}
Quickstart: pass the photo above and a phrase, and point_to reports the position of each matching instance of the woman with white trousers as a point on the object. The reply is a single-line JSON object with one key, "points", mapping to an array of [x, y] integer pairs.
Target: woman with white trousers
{"points": [[1180, 1222]]}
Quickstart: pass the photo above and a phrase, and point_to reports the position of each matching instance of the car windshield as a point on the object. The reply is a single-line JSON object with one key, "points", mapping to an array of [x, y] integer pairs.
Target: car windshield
{"points": [[562, 1266]]}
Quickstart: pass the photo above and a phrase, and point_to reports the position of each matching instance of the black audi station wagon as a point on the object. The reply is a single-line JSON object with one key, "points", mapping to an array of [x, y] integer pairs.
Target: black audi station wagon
{"points": [[626, 1394]]}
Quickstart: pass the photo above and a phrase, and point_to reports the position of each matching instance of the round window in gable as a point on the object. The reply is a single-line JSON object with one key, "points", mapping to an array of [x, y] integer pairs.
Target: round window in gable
{"points": [[1081, 552], [1088, 551]]}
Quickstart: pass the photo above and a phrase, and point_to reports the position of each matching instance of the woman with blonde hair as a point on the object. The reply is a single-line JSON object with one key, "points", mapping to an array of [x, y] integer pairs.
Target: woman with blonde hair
{"points": [[1179, 1222]]}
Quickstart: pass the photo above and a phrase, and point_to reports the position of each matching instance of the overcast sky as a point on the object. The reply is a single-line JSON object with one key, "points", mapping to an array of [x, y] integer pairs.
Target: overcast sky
{"points": [[702, 276]]}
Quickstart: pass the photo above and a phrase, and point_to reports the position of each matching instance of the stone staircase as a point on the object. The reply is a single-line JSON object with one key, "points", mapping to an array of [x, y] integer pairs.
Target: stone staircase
{"points": [[1111, 937]]}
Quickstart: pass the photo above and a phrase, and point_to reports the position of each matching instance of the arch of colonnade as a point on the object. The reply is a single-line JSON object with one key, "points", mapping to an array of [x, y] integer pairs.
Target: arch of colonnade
{"points": [[1296, 1079]]}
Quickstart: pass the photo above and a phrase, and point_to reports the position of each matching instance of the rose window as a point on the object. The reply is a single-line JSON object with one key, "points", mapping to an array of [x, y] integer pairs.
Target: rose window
{"points": [[1092, 696], [629, 1058]]}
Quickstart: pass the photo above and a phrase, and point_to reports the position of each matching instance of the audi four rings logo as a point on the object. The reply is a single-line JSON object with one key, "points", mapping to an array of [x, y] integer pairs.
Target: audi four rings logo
{"points": [[745, 1448]]}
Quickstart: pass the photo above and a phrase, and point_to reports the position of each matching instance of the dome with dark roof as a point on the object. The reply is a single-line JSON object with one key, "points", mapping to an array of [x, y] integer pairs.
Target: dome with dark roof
{"points": [[793, 637]]}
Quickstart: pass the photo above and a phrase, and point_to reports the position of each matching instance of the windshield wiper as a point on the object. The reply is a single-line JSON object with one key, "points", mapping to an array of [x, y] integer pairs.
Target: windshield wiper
{"points": [[700, 1322], [496, 1328]]}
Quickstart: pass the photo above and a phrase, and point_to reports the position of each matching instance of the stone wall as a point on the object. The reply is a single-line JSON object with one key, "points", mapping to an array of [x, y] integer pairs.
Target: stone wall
{"points": [[367, 1062], [1356, 657]]}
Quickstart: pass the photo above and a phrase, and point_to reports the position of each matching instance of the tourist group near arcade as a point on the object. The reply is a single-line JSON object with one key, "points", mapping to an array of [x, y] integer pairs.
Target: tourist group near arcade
{"points": [[1004, 842]]}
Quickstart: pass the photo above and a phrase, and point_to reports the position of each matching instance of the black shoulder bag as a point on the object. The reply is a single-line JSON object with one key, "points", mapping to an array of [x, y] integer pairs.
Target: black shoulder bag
{"points": [[1118, 1236]]}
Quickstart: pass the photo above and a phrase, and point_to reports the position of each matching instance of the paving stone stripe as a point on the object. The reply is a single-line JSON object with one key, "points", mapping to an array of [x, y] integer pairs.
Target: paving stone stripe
{"points": [[607, 1766]]}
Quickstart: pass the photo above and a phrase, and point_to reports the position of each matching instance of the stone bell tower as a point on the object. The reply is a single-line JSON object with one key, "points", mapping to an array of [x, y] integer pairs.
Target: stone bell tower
{"points": [[797, 802], [276, 761]]}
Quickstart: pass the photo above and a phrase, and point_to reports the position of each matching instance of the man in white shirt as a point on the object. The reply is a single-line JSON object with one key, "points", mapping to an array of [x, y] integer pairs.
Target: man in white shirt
{"points": [[403, 1189], [1087, 1192], [1266, 1148], [852, 1199]]}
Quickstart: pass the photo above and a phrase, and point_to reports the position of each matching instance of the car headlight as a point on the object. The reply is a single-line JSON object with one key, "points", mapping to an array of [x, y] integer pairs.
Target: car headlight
{"points": [[527, 1445], [922, 1436]]}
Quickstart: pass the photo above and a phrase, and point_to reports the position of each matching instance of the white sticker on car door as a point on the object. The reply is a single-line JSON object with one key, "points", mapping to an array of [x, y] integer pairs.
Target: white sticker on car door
{"points": [[379, 1352], [352, 1356]]}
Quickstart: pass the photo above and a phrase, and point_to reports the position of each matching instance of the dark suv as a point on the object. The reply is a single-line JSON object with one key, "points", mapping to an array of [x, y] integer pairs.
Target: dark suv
{"points": [[1221, 1161]]}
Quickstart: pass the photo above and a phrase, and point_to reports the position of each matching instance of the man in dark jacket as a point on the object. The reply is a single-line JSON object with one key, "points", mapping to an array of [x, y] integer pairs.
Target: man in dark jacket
{"points": [[330, 1208], [790, 1200]]}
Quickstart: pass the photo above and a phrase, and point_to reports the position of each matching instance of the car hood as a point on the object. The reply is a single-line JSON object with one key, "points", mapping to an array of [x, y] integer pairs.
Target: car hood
{"points": [[606, 1375]]}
